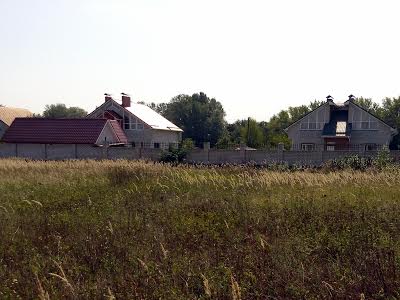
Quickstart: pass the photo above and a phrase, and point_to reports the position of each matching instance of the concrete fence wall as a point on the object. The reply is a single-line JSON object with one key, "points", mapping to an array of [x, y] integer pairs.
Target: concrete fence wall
{"points": [[205, 156], [275, 156]]}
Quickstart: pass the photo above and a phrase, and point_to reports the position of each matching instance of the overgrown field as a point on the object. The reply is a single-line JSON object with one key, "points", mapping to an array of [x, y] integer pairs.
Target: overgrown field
{"points": [[132, 230]]}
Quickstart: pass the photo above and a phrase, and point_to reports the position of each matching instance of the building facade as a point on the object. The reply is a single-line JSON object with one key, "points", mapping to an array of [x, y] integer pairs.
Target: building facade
{"points": [[143, 126], [344, 126]]}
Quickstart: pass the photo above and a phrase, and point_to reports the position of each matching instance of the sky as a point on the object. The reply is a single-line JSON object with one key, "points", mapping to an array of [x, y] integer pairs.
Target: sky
{"points": [[256, 57]]}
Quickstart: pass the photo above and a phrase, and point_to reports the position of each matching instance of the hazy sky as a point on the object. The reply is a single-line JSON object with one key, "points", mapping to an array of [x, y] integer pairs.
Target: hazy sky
{"points": [[256, 57]]}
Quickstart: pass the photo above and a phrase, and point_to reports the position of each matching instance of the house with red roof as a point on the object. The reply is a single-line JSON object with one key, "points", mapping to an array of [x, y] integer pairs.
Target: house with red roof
{"points": [[142, 126], [93, 132]]}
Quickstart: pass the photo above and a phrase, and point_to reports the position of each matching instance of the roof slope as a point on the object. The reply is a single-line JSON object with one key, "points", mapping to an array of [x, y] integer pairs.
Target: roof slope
{"points": [[305, 115], [151, 117], [119, 132], [54, 131], [8, 114]]}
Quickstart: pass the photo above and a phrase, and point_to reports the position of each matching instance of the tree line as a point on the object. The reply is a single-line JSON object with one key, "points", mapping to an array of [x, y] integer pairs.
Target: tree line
{"points": [[202, 119]]}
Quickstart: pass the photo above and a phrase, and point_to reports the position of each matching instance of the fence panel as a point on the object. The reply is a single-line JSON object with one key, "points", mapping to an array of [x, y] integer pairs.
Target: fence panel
{"points": [[197, 156], [58, 151], [32, 151], [90, 152], [263, 156], [123, 153], [8, 150]]}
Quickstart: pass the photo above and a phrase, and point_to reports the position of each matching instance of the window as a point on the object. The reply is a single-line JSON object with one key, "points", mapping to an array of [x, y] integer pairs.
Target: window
{"points": [[132, 123], [365, 125], [330, 146], [311, 126], [370, 147], [157, 145], [307, 147], [126, 123]]}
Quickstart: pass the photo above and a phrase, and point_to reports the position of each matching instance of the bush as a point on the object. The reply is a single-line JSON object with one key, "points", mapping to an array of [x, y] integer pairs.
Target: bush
{"points": [[383, 159], [354, 162], [174, 155]]}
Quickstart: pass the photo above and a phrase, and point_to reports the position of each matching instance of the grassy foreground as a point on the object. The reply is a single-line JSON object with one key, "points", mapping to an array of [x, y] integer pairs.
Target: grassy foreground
{"points": [[131, 230]]}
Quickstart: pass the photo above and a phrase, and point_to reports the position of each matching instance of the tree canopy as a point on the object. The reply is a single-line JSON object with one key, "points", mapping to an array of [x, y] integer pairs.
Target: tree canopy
{"points": [[200, 117], [60, 110]]}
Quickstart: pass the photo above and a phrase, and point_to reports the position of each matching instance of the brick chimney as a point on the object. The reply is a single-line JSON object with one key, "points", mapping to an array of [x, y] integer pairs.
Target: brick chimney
{"points": [[107, 97], [126, 100]]}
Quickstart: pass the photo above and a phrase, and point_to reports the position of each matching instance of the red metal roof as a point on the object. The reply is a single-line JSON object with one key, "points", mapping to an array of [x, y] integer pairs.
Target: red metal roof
{"points": [[119, 132], [56, 131]]}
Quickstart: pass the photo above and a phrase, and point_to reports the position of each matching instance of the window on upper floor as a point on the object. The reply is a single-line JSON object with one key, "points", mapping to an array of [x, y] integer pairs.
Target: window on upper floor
{"points": [[311, 125], [126, 123], [132, 123], [365, 125]]}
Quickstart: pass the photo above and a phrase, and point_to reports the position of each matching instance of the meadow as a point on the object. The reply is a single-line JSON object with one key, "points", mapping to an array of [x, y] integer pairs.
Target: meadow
{"points": [[136, 230]]}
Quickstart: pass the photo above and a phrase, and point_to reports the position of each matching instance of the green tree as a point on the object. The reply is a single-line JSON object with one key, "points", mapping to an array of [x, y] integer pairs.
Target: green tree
{"points": [[158, 107], [315, 104], [201, 118], [252, 134], [234, 131], [391, 115], [59, 111], [369, 105], [297, 112], [276, 126]]}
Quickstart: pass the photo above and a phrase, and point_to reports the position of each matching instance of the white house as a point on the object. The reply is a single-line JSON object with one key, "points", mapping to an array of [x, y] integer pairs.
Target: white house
{"points": [[143, 126]]}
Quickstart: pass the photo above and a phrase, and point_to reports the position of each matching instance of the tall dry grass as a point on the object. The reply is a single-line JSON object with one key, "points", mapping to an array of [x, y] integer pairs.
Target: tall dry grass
{"points": [[121, 229]]}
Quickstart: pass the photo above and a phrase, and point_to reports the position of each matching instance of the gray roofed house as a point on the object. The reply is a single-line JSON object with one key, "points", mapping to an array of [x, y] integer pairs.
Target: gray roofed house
{"points": [[143, 126], [334, 126]]}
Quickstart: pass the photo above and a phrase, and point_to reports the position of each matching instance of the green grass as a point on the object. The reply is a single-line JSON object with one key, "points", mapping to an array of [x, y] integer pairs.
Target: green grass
{"points": [[131, 230]]}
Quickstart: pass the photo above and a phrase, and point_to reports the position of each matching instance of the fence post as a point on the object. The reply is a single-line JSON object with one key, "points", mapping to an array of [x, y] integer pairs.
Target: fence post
{"points": [[281, 149], [76, 151], [206, 147], [322, 157], [105, 150], [45, 151], [243, 152]]}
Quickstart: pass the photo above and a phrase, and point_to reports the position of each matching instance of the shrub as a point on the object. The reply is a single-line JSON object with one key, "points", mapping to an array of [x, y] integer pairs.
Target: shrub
{"points": [[174, 155], [354, 162], [383, 159]]}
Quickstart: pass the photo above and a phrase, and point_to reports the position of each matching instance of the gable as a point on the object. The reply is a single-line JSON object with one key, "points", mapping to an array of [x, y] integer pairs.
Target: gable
{"points": [[363, 119], [318, 116]]}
